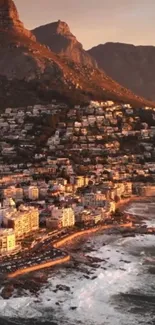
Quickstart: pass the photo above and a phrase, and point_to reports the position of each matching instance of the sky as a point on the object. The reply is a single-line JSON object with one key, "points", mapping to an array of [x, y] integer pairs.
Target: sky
{"points": [[95, 22]]}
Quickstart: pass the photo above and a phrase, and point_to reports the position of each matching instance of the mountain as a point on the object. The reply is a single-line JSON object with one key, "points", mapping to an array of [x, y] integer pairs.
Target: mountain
{"points": [[9, 19], [31, 73], [132, 66], [58, 37]]}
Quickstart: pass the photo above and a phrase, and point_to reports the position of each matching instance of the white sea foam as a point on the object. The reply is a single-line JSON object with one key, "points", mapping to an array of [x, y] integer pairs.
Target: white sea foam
{"points": [[119, 272], [23, 307], [142, 209], [150, 222], [92, 297], [89, 296]]}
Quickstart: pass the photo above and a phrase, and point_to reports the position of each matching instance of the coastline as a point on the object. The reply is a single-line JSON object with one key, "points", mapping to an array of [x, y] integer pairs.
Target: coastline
{"points": [[108, 260], [134, 198], [124, 202], [61, 243], [39, 267]]}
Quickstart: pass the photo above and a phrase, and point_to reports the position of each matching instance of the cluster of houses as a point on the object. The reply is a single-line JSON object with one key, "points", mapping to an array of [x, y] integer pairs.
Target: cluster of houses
{"points": [[56, 209], [64, 166]]}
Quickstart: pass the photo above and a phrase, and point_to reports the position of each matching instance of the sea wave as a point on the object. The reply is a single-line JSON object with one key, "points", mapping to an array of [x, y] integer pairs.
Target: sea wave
{"points": [[93, 295]]}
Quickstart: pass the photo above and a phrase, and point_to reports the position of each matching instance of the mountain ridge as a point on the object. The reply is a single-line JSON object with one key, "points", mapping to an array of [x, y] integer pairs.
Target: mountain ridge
{"points": [[131, 65], [58, 37], [32, 67]]}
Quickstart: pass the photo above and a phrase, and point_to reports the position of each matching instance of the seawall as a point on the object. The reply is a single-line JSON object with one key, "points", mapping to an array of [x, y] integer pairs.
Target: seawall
{"points": [[63, 241], [39, 267]]}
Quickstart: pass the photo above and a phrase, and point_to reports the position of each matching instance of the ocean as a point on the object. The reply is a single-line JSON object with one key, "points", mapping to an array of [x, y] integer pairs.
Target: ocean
{"points": [[118, 289]]}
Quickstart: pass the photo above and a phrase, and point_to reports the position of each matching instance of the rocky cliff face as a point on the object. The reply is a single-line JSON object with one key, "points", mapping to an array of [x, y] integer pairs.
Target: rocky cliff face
{"points": [[58, 37], [9, 18], [30, 72], [132, 66]]}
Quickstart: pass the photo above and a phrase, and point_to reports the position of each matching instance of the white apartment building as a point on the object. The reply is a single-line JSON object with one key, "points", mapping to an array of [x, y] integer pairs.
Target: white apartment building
{"points": [[7, 241], [61, 217]]}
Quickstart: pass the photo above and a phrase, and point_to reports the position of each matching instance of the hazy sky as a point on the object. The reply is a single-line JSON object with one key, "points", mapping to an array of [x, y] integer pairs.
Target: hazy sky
{"points": [[95, 21]]}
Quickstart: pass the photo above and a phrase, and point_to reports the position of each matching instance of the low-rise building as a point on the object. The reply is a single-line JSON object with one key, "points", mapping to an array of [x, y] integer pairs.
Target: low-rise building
{"points": [[89, 218], [61, 218], [79, 181], [7, 240], [33, 193], [13, 192], [94, 199], [127, 189]]}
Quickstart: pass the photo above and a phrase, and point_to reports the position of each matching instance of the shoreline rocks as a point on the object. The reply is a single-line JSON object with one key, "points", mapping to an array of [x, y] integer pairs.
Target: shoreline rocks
{"points": [[7, 291]]}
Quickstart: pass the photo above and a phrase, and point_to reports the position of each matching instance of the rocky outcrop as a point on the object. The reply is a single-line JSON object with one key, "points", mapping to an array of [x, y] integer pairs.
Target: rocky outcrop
{"points": [[7, 291], [132, 66], [58, 37], [9, 18]]}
